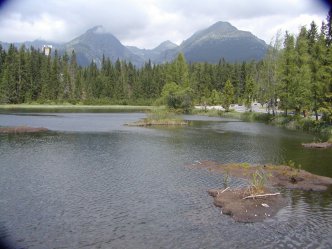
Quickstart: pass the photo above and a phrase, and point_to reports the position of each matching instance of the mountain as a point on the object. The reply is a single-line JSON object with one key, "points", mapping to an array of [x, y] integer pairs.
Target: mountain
{"points": [[37, 44], [153, 54], [164, 46], [221, 40], [95, 43]]}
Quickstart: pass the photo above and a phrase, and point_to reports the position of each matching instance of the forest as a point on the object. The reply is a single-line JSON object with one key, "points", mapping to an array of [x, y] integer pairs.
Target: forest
{"points": [[295, 76]]}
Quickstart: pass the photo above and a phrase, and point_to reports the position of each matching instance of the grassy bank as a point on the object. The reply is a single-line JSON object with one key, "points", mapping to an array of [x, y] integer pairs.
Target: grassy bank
{"points": [[73, 108], [289, 122]]}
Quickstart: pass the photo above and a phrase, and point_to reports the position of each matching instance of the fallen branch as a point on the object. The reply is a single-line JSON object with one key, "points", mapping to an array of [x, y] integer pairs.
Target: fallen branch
{"points": [[223, 191], [254, 196]]}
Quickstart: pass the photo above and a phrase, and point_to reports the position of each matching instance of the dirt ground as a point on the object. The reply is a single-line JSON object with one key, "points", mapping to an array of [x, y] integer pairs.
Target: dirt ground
{"points": [[256, 209]]}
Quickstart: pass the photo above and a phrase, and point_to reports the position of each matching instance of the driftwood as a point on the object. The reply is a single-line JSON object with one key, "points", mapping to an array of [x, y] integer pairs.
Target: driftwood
{"points": [[263, 195], [223, 191]]}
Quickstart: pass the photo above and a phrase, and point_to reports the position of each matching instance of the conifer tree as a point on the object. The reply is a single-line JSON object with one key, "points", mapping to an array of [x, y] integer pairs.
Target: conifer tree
{"points": [[181, 70], [45, 79], [228, 95], [317, 51], [287, 71], [268, 78], [300, 98], [249, 92], [329, 27]]}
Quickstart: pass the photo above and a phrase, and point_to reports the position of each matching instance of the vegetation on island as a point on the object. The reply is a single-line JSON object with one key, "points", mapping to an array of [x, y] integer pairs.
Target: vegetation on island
{"points": [[160, 117], [295, 77]]}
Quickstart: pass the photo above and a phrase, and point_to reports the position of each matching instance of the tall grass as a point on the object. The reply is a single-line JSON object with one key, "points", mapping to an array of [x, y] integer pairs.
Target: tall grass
{"points": [[258, 182]]}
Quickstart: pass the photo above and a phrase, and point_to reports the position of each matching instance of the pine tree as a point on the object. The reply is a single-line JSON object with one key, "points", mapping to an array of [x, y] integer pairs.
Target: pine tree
{"points": [[228, 95], [287, 70], [317, 51], [325, 73], [326, 107], [66, 84], [329, 28], [10, 77], [55, 78], [215, 98], [301, 87], [35, 65], [73, 71], [181, 70], [46, 91], [268, 79], [249, 92]]}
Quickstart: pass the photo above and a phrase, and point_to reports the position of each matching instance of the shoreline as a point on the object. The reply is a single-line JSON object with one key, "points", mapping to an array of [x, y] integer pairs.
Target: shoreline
{"points": [[307, 125], [69, 107], [288, 122]]}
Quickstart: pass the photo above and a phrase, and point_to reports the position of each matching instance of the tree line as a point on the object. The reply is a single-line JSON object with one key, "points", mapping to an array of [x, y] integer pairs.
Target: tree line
{"points": [[295, 75]]}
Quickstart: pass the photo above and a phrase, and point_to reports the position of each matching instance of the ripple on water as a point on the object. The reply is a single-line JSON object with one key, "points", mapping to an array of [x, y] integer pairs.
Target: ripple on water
{"points": [[130, 189]]}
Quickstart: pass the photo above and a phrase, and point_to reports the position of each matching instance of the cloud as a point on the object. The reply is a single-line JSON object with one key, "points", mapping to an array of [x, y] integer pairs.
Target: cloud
{"points": [[146, 23]]}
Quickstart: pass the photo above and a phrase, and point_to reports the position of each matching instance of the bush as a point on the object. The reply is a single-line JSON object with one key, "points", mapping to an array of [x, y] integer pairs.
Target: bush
{"points": [[177, 98]]}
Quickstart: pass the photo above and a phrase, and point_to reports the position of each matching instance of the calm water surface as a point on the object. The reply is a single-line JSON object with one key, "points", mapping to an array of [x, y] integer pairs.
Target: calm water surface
{"points": [[93, 183]]}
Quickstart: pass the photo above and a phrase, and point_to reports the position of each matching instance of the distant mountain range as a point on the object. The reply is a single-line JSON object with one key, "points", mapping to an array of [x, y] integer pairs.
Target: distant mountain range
{"points": [[221, 40]]}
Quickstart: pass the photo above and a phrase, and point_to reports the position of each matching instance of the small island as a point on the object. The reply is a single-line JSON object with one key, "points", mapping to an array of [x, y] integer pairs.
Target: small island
{"points": [[260, 199], [21, 129], [160, 118]]}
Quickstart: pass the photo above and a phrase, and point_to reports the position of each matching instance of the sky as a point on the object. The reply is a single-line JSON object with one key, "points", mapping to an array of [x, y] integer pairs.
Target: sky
{"points": [[147, 23]]}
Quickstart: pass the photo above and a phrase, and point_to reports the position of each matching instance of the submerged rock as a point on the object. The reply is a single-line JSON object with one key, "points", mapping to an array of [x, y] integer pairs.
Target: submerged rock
{"points": [[318, 145]]}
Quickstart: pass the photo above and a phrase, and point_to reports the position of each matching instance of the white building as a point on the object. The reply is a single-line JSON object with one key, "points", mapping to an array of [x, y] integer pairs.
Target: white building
{"points": [[47, 49]]}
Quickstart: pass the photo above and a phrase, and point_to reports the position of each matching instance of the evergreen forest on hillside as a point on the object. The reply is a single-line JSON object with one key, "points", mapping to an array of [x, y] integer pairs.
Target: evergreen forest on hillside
{"points": [[295, 75]]}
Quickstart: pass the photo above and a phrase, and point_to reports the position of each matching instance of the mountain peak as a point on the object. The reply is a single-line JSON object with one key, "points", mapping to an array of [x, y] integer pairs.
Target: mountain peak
{"points": [[165, 46], [217, 30], [222, 27], [99, 29], [223, 40]]}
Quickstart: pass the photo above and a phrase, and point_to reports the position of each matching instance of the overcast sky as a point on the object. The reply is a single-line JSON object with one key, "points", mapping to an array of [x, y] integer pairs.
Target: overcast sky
{"points": [[147, 23]]}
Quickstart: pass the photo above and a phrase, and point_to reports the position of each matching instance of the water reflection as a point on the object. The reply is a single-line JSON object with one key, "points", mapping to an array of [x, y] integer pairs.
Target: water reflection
{"points": [[93, 183]]}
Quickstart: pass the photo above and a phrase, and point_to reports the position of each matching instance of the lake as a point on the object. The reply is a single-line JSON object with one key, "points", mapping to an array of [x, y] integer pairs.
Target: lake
{"points": [[91, 182]]}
